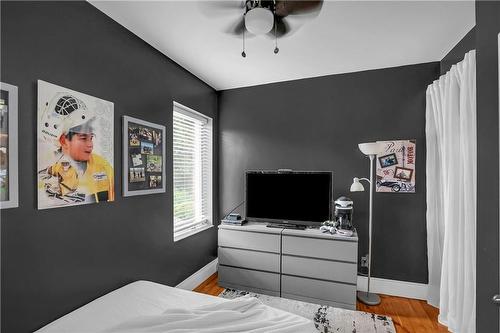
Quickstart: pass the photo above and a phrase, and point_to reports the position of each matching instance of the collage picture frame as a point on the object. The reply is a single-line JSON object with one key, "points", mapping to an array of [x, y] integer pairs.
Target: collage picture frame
{"points": [[396, 166], [143, 157]]}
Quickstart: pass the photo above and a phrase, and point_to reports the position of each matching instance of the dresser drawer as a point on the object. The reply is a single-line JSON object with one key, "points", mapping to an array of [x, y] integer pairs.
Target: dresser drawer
{"points": [[329, 291], [249, 240], [321, 248], [248, 278], [320, 269], [249, 259]]}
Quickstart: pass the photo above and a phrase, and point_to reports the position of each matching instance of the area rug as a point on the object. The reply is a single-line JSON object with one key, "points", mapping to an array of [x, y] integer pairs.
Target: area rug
{"points": [[327, 319]]}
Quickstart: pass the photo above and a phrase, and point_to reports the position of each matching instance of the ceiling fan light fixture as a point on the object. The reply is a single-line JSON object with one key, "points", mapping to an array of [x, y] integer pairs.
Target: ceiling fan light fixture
{"points": [[259, 20]]}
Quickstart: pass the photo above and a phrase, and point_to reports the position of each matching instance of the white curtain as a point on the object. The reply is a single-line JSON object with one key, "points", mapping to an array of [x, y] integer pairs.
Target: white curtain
{"points": [[451, 195]]}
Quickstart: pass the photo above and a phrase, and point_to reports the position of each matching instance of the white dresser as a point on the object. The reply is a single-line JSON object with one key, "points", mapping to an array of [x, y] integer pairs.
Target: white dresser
{"points": [[306, 265]]}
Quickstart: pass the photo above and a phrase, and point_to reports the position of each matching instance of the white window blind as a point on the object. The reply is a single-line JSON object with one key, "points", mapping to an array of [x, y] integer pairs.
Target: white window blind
{"points": [[192, 143]]}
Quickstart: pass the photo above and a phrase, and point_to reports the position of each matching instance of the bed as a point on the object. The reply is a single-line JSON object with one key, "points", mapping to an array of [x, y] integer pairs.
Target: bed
{"points": [[144, 306]]}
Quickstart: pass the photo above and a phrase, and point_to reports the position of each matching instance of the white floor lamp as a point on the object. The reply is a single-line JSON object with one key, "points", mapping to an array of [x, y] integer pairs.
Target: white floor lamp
{"points": [[370, 149]]}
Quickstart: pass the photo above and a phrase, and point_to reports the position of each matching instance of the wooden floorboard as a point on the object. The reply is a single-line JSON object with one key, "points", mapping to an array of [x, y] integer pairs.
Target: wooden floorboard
{"points": [[409, 315], [210, 286]]}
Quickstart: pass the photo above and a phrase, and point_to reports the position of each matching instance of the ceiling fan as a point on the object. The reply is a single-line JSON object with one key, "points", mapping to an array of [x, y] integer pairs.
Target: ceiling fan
{"points": [[266, 17]]}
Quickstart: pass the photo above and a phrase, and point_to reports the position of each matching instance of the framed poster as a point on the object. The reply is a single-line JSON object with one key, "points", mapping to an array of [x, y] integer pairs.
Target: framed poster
{"points": [[143, 157], [75, 148], [9, 197], [396, 167]]}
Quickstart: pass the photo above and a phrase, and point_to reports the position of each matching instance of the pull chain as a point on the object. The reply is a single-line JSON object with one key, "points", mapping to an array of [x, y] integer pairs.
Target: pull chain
{"points": [[243, 54], [276, 50]]}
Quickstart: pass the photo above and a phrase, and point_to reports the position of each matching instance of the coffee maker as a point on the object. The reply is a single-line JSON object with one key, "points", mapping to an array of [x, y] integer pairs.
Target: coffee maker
{"points": [[343, 213]]}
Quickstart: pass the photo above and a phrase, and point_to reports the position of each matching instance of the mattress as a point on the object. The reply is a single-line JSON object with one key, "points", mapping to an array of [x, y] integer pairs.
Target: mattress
{"points": [[135, 299]]}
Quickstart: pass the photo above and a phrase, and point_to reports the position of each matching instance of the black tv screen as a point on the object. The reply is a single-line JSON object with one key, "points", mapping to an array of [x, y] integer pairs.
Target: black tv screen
{"points": [[288, 197]]}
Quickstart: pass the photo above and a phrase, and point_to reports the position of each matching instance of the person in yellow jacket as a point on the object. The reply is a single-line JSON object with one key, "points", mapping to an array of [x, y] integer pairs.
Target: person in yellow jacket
{"points": [[78, 175], [94, 175]]}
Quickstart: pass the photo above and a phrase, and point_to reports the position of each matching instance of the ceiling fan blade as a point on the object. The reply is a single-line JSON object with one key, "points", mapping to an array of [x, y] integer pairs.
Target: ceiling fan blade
{"points": [[282, 27], [289, 7], [237, 29]]}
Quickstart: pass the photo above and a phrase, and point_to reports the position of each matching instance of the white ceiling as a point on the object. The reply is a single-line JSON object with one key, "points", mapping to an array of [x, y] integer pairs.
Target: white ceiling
{"points": [[346, 36]]}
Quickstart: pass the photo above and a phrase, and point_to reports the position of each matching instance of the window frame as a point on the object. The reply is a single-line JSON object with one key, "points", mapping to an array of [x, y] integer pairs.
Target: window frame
{"points": [[208, 222]]}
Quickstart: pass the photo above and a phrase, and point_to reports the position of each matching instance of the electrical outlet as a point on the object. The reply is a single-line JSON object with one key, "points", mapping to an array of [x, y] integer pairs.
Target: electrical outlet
{"points": [[364, 261]]}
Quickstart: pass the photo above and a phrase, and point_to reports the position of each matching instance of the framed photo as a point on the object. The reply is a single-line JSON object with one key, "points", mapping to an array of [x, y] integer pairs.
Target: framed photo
{"points": [[403, 173], [396, 166], [143, 157], [75, 148], [388, 160], [9, 197]]}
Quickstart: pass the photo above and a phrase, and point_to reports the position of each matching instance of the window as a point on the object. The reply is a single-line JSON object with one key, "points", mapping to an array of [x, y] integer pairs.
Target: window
{"points": [[192, 141]]}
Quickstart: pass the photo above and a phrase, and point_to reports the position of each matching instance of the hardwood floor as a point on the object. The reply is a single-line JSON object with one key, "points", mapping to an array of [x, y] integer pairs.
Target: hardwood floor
{"points": [[210, 286], [408, 315]]}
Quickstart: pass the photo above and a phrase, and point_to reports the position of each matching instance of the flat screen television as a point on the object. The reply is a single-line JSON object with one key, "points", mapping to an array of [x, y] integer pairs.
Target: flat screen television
{"points": [[288, 197]]}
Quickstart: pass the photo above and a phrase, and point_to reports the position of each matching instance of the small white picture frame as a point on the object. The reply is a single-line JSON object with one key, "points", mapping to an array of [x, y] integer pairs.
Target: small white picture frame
{"points": [[143, 157], [9, 197]]}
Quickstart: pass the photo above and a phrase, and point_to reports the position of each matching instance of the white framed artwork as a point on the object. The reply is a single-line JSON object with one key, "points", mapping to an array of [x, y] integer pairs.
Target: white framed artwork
{"points": [[9, 186], [143, 157], [75, 148]]}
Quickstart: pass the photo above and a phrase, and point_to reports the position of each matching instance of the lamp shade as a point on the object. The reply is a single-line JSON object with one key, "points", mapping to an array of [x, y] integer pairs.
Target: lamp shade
{"points": [[357, 186], [371, 148]]}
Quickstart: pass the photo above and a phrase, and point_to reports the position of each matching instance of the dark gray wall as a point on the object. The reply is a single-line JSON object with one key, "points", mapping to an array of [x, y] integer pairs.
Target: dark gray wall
{"points": [[487, 29], [316, 124], [54, 261], [467, 43]]}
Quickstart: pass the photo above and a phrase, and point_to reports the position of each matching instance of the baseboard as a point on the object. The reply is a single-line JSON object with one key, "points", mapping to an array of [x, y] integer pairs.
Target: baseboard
{"points": [[394, 287], [199, 277]]}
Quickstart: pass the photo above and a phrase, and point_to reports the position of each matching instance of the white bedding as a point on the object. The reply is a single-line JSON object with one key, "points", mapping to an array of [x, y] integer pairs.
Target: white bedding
{"points": [[135, 299], [140, 298], [244, 314]]}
